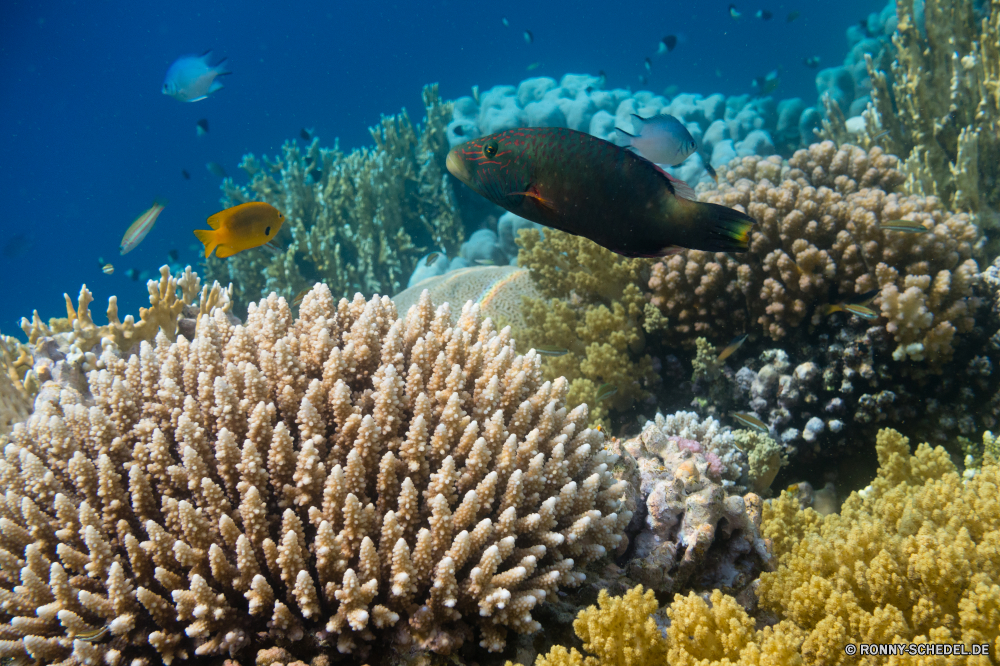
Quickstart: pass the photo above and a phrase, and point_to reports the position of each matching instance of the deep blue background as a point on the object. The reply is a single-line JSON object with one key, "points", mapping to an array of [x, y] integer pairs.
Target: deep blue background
{"points": [[88, 141]]}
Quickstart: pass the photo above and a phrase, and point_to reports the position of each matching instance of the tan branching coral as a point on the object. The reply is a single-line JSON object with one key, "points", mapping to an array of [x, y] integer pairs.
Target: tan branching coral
{"points": [[18, 385], [592, 307], [358, 222], [819, 239], [312, 484], [942, 113]]}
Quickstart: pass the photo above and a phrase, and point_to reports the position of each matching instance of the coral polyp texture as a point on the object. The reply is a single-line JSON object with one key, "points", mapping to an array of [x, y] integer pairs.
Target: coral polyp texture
{"points": [[939, 109], [306, 485], [591, 306], [819, 240], [358, 222]]}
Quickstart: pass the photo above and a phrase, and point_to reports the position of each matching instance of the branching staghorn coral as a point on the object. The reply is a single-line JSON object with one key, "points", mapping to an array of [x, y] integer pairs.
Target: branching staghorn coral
{"points": [[593, 307], [942, 113], [358, 222], [18, 384], [311, 484], [819, 240]]}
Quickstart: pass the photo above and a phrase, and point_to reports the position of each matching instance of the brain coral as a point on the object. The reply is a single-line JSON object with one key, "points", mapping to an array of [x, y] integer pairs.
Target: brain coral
{"points": [[311, 484], [819, 240]]}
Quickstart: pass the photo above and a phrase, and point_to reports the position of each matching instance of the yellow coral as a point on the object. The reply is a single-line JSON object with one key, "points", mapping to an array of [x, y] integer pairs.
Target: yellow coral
{"points": [[911, 558], [621, 631], [594, 308]]}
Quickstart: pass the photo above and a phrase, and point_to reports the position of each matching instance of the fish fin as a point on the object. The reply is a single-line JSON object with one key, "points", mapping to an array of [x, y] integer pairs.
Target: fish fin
{"points": [[207, 237], [625, 136], [678, 186], [669, 251], [716, 228], [637, 122], [225, 251], [215, 221], [830, 309], [198, 99], [216, 85], [537, 197], [221, 69], [682, 189]]}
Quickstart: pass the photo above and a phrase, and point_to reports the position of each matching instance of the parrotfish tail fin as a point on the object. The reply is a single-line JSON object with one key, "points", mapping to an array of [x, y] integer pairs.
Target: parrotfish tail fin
{"points": [[723, 229], [207, 237]]}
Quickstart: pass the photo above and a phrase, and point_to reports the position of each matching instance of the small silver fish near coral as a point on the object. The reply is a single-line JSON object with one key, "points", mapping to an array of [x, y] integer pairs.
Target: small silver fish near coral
{"points": [[732, 347], [605, 391], [191, 78], [550, 350], [107, 269], [904, 225], [216, 169], [751, 421]]}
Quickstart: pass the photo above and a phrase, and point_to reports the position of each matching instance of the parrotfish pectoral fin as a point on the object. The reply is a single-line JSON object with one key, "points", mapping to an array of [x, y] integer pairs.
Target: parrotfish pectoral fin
{"points": [[682, 189], [537, 197]]}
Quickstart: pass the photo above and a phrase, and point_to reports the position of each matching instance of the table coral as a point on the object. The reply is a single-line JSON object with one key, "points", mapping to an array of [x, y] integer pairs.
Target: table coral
{"points": [[335, 481], [593, 307], [941, 103], [358, 222], [818, 240]]}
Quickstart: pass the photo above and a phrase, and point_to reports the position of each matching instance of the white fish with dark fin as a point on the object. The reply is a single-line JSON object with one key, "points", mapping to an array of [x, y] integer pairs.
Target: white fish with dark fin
{"points": [[661, 139], [191, 78]]}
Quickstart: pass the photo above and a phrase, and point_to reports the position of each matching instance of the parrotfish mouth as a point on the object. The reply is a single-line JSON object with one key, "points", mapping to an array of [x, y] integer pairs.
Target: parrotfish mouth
{"points": [[457, 166]]}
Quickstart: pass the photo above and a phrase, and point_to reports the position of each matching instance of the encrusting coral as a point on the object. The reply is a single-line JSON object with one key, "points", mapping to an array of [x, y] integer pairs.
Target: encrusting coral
{"points": [[299, 484], [910, 560], [592, 307], [819, 240], [358, 222]]}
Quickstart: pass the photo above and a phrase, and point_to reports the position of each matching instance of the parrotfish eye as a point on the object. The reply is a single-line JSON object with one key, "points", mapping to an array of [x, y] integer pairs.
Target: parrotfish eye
{"points": [[490, 149], [267, 232]]}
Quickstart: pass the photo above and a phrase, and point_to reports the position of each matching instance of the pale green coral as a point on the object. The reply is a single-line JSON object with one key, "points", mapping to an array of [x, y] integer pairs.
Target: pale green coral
{"points": [[764, 454], [358, 222], [594, 308], [943, 112]]}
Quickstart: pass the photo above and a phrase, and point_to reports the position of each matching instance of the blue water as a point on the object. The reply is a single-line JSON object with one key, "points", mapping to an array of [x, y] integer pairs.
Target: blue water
{"points": [[88, 140]]}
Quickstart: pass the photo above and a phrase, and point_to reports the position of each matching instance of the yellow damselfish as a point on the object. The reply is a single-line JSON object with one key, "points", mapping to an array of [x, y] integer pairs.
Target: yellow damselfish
{"points": [[241, 227]]}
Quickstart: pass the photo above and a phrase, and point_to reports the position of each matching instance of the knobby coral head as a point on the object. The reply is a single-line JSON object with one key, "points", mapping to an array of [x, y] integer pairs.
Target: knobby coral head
{"points": [[318, 483]]}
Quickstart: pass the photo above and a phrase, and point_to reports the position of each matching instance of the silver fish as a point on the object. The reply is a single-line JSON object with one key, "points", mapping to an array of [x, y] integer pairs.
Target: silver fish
{"points": [[661, 139], [191, 78]]}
